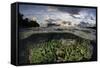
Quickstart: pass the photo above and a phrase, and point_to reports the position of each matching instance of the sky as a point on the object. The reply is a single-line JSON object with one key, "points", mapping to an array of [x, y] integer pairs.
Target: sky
{"points": [[41, 13]]}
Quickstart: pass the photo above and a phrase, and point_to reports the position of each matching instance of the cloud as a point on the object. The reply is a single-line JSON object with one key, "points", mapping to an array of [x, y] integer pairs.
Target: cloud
{"points": [[34, 18], [73, 14], [71, 10]]}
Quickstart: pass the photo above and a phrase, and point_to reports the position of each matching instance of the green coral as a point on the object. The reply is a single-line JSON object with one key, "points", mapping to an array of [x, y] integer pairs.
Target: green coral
{"points": [[56, 51]]}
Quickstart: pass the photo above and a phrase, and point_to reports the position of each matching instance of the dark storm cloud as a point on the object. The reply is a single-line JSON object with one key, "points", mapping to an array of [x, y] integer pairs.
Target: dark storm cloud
{"points": [[70, 10], [76, 10]]}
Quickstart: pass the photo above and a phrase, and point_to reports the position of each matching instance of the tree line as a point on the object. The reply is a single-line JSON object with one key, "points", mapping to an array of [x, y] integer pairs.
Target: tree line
{"points": [[25, 23]]}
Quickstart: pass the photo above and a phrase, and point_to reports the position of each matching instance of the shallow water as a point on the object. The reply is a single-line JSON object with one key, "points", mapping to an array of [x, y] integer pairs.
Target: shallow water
{"points": [[44, 37]]}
